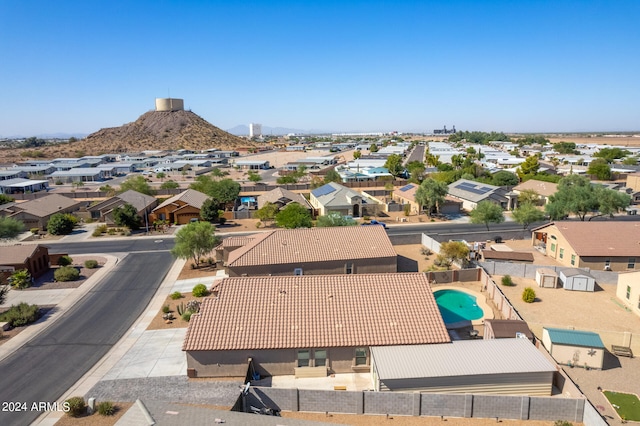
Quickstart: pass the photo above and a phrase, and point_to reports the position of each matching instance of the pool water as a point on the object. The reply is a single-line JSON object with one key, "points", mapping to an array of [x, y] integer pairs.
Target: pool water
{"points": [[456, 306]]}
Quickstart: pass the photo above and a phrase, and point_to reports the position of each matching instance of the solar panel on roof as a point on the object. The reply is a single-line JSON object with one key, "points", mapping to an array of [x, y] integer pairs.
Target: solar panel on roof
{"points": [[323, 190], [406, 188]]}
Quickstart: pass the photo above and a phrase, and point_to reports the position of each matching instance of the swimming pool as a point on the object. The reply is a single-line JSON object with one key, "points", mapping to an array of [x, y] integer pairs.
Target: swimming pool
{"points": [[456, 306]]}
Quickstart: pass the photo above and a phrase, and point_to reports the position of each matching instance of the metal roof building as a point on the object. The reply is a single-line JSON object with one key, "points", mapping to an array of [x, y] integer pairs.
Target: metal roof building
{"points": [[499, 366], [574, 347]]}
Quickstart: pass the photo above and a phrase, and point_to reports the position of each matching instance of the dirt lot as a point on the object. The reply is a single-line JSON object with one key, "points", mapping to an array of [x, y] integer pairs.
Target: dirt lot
{"points": [[96, 419]]}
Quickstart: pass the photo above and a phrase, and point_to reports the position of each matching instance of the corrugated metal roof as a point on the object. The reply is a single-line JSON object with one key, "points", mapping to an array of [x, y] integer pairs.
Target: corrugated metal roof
{"points": [[459, 358], [587, 339]]}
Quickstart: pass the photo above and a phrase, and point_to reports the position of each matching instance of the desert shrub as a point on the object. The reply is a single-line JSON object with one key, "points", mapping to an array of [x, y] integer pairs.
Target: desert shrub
{"points": [[562, 423], [258, 224], [77, 406], [34, 231], [61, 224], [366, 218], [111, 231], [66, 273], [425, 251], [165, 309], [97, 232], [91, 264], [529, 295], [65, 260], [442, 261], [200, 290], [507, 281], [193, 306], [22, 314], [187, 316], [106, 408], [176, 295], [406, 209], [20, 279]]}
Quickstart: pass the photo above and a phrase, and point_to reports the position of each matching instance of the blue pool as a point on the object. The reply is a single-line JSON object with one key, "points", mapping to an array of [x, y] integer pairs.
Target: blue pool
{"points": [[456, 306]]}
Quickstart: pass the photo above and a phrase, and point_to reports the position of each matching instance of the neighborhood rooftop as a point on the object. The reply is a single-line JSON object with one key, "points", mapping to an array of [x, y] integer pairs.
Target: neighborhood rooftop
{"points": [[600, 238], [316, 311], [586, 339], [314, 245]]}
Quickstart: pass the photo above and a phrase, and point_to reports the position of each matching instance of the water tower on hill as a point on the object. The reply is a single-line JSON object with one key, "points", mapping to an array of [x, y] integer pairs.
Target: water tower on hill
{"points": [[169, 104]]}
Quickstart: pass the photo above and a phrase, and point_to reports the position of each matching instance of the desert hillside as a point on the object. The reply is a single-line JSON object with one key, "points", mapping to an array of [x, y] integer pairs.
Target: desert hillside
{"points": [[153, 130]]}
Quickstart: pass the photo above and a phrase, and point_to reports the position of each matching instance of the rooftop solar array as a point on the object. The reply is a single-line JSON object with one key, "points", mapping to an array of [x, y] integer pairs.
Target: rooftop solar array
{"points": [[323, 190], [406, 187], [473, 188]]}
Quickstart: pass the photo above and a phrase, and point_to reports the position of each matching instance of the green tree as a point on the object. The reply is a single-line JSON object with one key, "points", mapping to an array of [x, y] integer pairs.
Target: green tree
{"points": [[332, 176], [224, 191], [430, 194], [4, 291], [161, 176], [287, 179], [457, 160], [600, 169], [487, 212], [394, 164], [529, 196], [170, 184], [455, 251], [565, 148], [630, 161], [293, 216], [254, 177], [373, 148], [610, 154], [61, 224], [209, 211], [127, 215], [10, 228], [610, 201], [108, 189], [4, 199], [416, 171], [136, 183], [530, 167], [267, 213], [334, 219], [357, 154], [194, 241], [526, 214], [505, 178]]}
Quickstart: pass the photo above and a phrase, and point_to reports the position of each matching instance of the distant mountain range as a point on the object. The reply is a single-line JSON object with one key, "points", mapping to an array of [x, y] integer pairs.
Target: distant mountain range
{"points": [[48, 136]]}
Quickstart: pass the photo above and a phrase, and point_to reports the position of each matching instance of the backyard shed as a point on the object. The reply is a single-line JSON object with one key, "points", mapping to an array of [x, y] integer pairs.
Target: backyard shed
{"points": [[546, 277], [506, 329], [577, 279], [574, 347], [498, 366]]}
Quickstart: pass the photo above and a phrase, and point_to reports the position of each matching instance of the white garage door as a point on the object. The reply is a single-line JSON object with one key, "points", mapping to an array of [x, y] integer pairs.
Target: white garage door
{"points": [[580, 283]]}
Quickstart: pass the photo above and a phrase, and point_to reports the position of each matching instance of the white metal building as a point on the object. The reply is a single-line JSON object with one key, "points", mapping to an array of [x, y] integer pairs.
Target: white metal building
{"points": [[577, 279]]}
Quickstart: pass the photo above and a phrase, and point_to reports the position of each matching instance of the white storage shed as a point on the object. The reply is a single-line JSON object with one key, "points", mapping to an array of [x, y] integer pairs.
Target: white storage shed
{"points": [[546, 277], [577, 280]]}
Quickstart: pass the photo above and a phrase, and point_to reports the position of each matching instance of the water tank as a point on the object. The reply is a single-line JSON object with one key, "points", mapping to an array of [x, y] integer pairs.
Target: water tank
{"points": [[169, 104]]}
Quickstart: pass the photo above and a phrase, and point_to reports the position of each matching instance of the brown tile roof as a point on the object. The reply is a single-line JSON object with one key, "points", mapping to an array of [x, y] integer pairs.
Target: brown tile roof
{"points": [[236, 241], [508, 255], [10, 255], [317, 311], [600, 238], [47, 205], [279, 194], [314, 245], [190, 196], [545, 189]]}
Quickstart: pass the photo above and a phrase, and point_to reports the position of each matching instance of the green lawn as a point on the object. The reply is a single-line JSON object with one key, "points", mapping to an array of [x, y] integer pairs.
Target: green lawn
{"points": [[626, 405]]}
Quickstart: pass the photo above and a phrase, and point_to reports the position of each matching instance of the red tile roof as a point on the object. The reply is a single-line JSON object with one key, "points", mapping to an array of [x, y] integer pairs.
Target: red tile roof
{"points": [[317, 311], [600, 238], [313, 245]]}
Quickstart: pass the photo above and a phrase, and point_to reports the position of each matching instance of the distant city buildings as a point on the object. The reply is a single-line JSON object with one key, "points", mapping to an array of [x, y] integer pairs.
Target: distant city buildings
{"points": [[444, 131], [255, 130]]}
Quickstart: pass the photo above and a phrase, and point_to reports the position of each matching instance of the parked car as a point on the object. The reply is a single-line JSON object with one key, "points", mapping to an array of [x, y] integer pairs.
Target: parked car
{"points": [[375, 222]]}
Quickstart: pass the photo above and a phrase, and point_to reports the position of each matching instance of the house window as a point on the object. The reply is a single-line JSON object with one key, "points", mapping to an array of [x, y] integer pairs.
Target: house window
{"points": [[297, 271], [303, 358], [561, 253], [573, 259], [632, 263], [361, 356], [553, 247], [553, 237], [628, 292], [320, 357], [348, 268]]}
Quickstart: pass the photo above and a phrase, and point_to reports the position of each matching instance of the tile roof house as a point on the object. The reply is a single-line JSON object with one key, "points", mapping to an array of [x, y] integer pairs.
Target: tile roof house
{"points": [[33, 258], [471, 193], [611, 246], [628, 291], [36, 213], [334, 197], [181, 208], [143, 204], [314, 251], [543, 189], [309, 325], [407, 195], [282, 198]]}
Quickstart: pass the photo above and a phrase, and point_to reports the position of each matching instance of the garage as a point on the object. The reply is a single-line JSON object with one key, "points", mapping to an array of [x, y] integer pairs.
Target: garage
{"points": [[577, 280]]}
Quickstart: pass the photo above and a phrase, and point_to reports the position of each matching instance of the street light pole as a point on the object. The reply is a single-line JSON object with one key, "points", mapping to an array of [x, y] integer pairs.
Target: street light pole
{"points": [[146, 220]]}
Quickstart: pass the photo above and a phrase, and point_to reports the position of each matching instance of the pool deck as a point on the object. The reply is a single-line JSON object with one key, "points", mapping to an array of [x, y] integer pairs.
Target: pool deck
{"points": [[481, 301]]}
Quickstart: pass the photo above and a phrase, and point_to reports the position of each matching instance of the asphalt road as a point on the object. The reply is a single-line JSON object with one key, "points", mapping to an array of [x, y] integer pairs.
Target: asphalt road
{"points": [[47, 366]]}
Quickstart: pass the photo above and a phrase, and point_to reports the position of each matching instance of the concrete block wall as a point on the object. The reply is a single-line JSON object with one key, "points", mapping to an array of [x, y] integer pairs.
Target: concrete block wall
{"points": [[333, 401], [448, 405], [527, 270], [557, 409], [382, 403], [490, 406]]}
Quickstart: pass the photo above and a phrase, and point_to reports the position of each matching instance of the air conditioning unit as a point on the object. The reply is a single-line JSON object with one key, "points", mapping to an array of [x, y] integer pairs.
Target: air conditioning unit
{"points": [[607, 267]]}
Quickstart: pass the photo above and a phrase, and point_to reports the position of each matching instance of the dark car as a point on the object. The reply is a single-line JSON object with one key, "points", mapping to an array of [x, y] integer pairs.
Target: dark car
{"points": [[375, 222]]}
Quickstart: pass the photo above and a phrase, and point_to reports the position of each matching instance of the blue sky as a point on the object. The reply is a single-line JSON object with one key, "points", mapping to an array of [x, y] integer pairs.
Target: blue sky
{"points": [[514, 66]]}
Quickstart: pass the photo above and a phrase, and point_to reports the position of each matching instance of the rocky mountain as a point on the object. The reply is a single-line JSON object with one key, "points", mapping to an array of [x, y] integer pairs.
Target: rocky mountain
{"points": [[153, 130]]}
